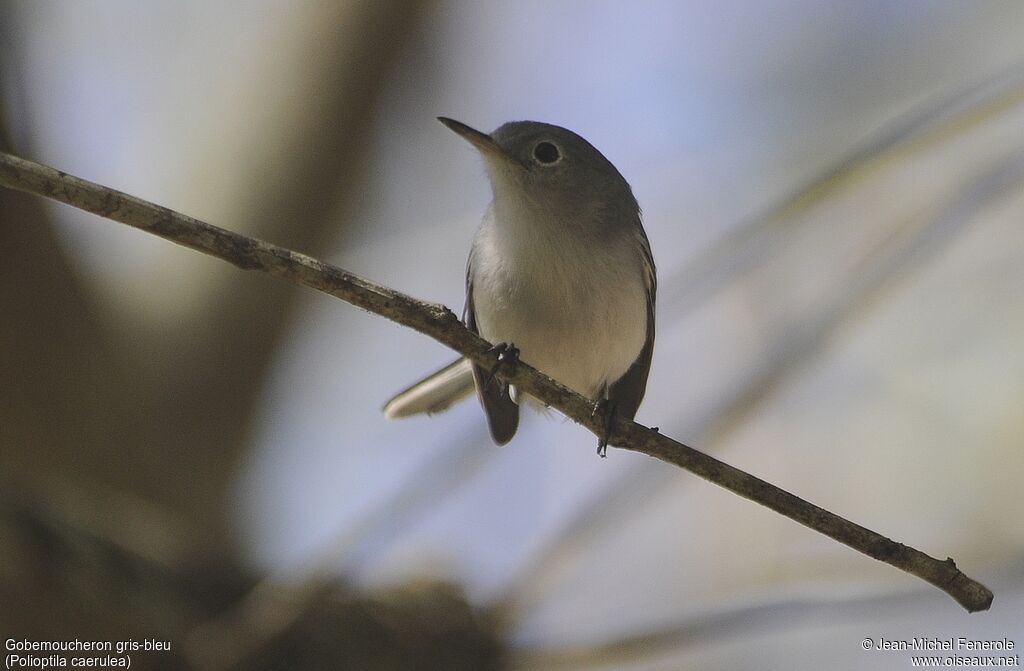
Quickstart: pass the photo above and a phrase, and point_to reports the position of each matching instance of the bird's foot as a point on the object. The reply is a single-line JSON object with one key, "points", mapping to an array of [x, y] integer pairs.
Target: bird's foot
{"points": [[604, 411], [507, 355]]}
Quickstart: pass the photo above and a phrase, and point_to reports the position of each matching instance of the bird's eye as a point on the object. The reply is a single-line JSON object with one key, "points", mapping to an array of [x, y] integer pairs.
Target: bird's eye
{"points": [[546, 153]]}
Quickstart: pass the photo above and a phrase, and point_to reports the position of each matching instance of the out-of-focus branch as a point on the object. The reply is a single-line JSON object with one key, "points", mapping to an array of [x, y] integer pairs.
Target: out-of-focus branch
{"points": [[932, 122], [116, 567], [303, 173], [766, 617], [441, 324], [278, 600], [63, 410]]}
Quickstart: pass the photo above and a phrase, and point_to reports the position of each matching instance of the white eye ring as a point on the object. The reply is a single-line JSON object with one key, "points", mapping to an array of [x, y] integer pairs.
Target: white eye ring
{"points": [[546, 153]]}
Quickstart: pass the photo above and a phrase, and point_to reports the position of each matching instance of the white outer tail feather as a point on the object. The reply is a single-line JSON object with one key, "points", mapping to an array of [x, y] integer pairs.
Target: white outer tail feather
{"points": [[435, 393]]}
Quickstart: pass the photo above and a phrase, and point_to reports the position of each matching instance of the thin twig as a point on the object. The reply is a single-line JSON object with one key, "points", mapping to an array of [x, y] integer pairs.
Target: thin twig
{"points": [[441, 324]]}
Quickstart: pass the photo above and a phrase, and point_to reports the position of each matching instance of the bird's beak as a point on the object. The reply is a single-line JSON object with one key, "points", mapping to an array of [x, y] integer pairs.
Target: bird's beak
{"points": [[482, 141]]}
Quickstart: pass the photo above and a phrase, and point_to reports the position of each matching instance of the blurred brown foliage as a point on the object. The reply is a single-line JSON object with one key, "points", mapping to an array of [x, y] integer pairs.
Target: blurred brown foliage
{"points": [[112, 513]]}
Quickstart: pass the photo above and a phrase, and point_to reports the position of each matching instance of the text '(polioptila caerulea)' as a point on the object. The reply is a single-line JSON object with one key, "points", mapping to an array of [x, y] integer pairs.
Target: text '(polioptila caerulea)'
{"points": [[560, 268]]}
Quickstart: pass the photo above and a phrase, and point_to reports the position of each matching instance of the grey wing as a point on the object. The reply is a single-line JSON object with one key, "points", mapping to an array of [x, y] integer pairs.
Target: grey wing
{"points": [[502, 412], [627, 393]]}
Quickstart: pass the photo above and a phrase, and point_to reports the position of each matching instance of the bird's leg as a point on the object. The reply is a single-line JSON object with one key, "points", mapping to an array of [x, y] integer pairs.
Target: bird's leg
{"points": [[604, 410]]}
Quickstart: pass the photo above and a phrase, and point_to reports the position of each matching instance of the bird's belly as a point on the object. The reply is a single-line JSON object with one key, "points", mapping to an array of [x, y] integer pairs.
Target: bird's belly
{"points": [[585, 334]]}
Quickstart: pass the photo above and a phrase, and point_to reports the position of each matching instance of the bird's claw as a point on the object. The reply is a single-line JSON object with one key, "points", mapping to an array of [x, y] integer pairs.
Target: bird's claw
{"points": [[507, 354], [604, 411]]}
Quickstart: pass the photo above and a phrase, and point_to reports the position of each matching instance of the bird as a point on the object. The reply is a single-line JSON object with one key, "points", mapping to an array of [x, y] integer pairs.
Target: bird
{"points": [[560, 274]]}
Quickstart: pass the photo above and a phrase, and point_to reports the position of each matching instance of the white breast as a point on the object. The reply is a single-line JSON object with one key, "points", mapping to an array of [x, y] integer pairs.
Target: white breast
{"points": [[576, 309]]}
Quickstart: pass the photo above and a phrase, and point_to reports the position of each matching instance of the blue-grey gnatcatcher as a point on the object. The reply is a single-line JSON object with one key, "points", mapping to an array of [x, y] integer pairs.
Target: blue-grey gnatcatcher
{"points": [[560, 268]]}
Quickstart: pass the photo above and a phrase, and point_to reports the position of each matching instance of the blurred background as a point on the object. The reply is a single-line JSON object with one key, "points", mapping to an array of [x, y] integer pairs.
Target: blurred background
{"points": [[834, 193]]}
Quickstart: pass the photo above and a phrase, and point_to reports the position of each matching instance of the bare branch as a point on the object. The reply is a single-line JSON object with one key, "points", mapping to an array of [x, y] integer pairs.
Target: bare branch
{"points": [[441, 324]]}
